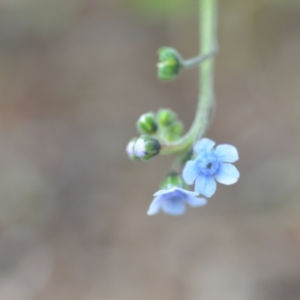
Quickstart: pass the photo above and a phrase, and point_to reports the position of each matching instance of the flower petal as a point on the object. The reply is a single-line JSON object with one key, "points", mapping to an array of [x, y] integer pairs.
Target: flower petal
{"points": [[139, 148], [227, 153], [228, 174], [187, 192], [161, 192], [175, 209], [206, 186], [154, 206], [195, 201], [204, 145], [189, 173]]}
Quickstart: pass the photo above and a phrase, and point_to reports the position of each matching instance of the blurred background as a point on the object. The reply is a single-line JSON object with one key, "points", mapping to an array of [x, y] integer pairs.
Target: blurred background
{"points": [[74, 77]]}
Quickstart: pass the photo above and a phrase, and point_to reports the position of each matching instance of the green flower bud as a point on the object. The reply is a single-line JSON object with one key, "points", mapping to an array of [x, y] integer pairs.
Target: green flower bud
{"points": [[173, 132], [165, 53], [147, 123], [165, 117], [146, 147], [170, 64], [177, 129], [173, 179]]}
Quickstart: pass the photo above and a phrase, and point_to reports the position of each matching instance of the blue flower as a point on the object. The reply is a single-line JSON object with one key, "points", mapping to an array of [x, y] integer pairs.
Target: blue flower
{"points": [[172, 201], [211, 164]]}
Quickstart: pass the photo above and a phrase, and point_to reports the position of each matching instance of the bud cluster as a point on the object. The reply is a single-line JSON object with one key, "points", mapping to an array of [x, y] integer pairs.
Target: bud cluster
{"points": [[171, 128], [163, 126]]}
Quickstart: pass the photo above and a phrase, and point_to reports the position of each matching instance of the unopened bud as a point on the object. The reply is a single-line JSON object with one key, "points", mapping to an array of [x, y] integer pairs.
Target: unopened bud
{"points": [[177, 129], [165, 117], [147, 123], [169, 65], [146, 147], [173, 132]]}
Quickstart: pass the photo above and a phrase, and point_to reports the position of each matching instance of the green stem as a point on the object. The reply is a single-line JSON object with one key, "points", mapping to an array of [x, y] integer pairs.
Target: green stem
{"points": [[180, 159], [207, 31], [196, 61]]}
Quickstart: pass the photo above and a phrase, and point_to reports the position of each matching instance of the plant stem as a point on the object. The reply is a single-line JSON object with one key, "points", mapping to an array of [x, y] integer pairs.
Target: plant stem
{"points": [[207, 32], [195, 61]]}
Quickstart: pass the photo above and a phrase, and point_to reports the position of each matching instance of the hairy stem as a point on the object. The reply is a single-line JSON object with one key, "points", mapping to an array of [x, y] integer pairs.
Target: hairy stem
{"points": [[207, 33]]}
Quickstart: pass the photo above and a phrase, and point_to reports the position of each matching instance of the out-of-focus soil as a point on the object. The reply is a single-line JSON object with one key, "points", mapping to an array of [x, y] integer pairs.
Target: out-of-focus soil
{"points": [[73, 207]]}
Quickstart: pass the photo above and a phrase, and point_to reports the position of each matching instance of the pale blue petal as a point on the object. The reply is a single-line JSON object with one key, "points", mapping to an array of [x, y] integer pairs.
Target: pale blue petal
{"points": [[228, 174], [161, 192], [227, 153], [175, 209], [205, 186], [187, 192], [154, 206], [195, 201], [204, 145], [189, 173]]}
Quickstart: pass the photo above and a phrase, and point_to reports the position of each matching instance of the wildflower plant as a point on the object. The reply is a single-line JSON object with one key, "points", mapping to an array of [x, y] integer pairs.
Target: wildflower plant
{"points": [[198, 161]]}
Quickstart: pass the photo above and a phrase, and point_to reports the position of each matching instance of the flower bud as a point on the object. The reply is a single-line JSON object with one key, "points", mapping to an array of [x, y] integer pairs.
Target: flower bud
{"points": [[170, 64], [146, 147], [174, 132], [177, 129], [165, 117], [147, 123], [130, 149], [173, 179]]}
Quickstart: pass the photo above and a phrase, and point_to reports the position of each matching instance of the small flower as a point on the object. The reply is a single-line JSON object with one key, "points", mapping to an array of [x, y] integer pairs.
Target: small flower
{"points": [[172, 201], [210, 164], [172, 197]]}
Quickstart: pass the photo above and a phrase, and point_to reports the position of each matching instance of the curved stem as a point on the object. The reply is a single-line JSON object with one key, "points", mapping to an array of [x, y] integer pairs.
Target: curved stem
{"points": [[207, 31]]}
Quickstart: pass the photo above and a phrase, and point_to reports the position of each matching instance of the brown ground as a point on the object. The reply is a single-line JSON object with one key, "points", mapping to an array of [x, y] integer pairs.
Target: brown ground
{"points": [[74, 77]]}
